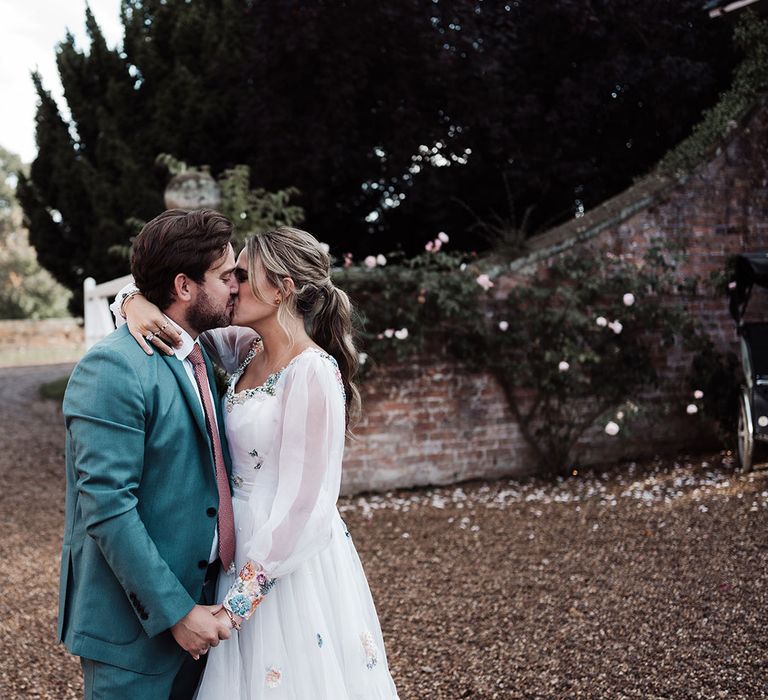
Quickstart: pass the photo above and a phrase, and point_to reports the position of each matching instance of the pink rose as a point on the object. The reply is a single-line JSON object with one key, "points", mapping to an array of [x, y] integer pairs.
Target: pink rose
{"points": [[484, 281]]}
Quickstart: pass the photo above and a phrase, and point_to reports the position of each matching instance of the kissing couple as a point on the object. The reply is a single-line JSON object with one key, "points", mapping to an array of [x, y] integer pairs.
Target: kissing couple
{"points": [[204, 555]]}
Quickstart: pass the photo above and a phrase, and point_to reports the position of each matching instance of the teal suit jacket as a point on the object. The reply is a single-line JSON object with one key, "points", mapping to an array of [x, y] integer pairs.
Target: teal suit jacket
{"points": [[141, 505]]}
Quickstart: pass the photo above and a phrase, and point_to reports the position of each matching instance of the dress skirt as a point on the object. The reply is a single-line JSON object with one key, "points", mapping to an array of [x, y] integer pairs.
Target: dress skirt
{"points": [[315, 636]]}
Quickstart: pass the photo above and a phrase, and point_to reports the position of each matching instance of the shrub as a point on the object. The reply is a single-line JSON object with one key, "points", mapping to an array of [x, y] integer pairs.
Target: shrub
{"points": [[583, 340]]}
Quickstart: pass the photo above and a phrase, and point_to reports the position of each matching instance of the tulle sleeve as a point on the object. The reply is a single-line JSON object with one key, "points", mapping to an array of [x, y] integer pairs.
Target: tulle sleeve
{"points": [[308, 453], [228, 346]]}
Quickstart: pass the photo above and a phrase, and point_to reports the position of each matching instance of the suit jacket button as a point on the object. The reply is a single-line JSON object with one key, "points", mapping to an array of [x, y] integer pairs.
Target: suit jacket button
{"points": [[202, 564], [144, 616], [211, 512]]}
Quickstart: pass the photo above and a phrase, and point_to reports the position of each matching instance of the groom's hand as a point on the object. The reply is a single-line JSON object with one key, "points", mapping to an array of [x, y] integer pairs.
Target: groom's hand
{"points": [[199, 630]]}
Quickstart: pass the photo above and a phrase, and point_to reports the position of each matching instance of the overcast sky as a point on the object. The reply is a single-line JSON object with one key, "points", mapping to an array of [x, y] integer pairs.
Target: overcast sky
{"points": [[29, 32]]}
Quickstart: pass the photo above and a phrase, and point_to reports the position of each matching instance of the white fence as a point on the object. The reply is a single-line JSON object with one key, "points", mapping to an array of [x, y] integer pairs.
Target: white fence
{"points": [[96, 314]]}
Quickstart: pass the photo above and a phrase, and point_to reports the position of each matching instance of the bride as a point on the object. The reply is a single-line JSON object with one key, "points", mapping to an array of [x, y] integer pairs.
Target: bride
{"points": [[298, 597]]}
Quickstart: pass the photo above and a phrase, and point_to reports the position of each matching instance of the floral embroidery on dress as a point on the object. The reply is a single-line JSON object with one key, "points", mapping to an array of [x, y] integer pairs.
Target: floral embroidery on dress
{"points": [[370, 649], [237, 480], [274, 677], [266, 389], [258, 459], [337, 372], [248, 590], [269, 387], [319, 640]]}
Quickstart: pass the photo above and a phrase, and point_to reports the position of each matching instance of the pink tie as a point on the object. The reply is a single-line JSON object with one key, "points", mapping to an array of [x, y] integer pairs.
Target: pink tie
{"points": [[226, 517]]}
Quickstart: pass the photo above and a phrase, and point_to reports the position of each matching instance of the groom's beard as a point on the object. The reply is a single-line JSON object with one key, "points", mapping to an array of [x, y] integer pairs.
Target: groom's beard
{"points": [[203, 315]]}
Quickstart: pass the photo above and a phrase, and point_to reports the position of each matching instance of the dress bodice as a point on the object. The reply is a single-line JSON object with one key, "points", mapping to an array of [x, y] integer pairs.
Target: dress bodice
{"points": [[252, 417]]}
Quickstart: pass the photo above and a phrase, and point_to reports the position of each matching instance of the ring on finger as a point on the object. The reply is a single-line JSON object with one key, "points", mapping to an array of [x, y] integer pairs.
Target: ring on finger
{"points": [[149, 336]]}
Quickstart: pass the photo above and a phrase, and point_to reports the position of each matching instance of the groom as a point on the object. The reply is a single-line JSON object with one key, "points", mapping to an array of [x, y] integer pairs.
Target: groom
{"points": [[148, 508]]}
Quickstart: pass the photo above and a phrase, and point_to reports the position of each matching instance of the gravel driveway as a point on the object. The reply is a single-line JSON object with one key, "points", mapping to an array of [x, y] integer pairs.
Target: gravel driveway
{"points": [[648, 581]]}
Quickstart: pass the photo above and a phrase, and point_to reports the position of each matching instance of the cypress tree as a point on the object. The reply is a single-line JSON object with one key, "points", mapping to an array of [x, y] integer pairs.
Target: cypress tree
{"points": [[394, 120]]}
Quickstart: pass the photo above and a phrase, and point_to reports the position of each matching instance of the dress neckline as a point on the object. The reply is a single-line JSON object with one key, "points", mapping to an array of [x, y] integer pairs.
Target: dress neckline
{"points": [[268, 384]]}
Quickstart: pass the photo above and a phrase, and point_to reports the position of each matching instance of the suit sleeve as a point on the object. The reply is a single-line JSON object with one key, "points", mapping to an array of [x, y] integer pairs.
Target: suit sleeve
{"points": [[105, 418]]}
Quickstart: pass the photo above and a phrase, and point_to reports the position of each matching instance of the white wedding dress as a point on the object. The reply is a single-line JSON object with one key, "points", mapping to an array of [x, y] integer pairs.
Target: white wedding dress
{"points": [[315, 634]]}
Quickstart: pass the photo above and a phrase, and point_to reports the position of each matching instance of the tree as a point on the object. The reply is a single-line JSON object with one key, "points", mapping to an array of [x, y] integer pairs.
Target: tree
{"points": [[428, 116], [256, 210], [10, 164], [26, 290], [91, 176], [394, 120]]}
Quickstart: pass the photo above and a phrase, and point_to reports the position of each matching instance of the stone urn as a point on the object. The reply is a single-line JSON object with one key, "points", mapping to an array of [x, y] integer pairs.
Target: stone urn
{"points": [[193, 189]]}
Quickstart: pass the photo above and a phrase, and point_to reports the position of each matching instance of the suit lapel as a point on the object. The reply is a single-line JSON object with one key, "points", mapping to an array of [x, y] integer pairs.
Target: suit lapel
{"points": [[188, 392]]}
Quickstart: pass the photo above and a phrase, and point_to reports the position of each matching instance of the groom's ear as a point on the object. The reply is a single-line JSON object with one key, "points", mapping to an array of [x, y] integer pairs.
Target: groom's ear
{"points": [[182, 287]]}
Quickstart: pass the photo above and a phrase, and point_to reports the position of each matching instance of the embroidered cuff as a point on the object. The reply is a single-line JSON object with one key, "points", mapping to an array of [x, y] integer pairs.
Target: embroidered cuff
{"points": [[248, 590]]}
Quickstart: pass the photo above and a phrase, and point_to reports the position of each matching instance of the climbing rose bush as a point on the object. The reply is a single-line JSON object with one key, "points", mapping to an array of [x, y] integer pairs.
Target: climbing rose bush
{"points": [[583, 340], [412, 305]]}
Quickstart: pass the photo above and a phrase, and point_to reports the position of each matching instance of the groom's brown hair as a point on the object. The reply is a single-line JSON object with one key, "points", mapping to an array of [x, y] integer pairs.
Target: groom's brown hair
{"points": [[177, 241]]}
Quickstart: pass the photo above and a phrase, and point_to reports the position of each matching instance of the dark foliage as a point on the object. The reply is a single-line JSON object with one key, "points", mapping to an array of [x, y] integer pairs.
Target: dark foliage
{"points": [[552, 106]]}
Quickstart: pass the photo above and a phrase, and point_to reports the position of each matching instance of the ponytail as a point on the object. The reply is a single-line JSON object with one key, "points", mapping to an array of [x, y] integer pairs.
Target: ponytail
{"points": [[331, 328], [290, 252]]}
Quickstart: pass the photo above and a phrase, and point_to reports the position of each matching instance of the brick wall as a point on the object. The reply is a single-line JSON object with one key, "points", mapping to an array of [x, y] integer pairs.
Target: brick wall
{"points": [[48, 332], [431, 423], [436, 423], [40, 342]]}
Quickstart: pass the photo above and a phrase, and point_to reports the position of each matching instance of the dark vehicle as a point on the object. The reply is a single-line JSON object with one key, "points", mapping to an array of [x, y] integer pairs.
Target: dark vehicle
{"points": [[751, 270]]}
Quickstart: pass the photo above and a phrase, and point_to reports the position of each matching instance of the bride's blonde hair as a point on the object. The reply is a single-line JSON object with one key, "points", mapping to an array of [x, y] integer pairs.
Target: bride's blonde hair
{"points": [[326, 309]]}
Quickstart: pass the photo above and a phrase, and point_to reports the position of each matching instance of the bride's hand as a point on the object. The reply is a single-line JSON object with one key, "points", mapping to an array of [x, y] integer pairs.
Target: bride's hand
{"points": [[148, 324], [224, 617]]}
